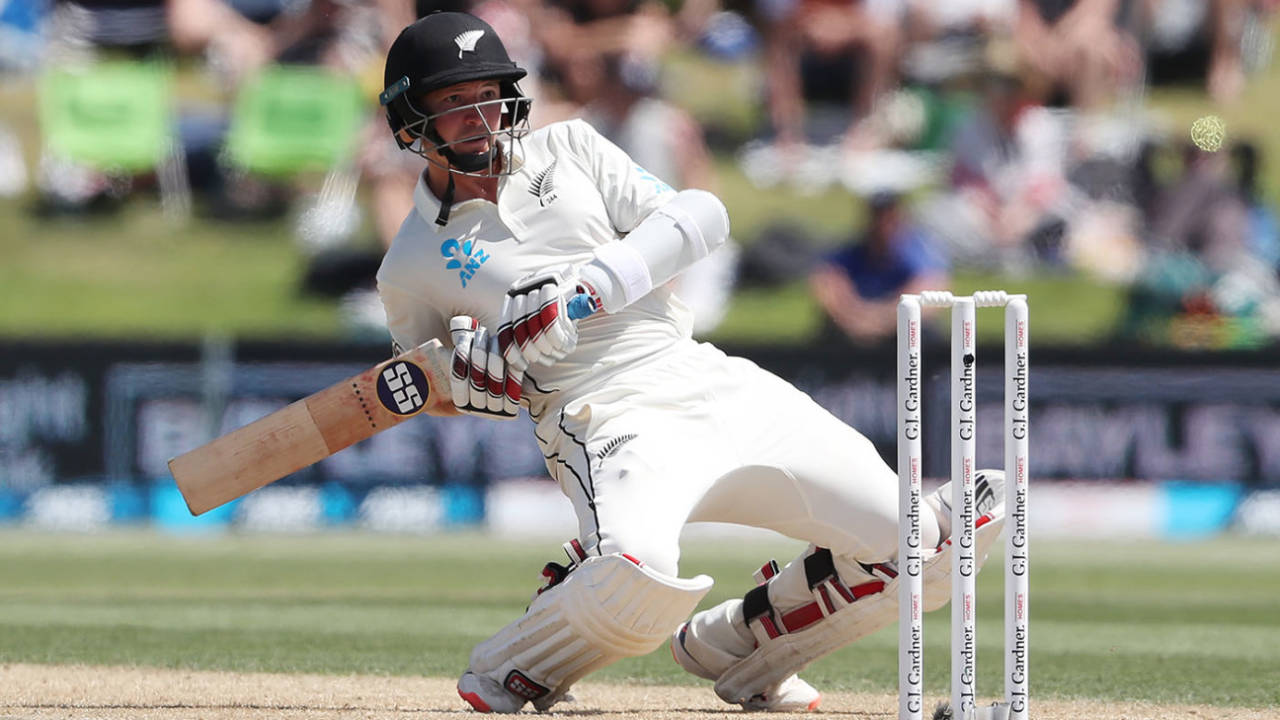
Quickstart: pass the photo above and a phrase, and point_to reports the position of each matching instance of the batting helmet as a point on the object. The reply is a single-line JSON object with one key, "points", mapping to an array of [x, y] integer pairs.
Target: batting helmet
{"points": [[437, 51]]}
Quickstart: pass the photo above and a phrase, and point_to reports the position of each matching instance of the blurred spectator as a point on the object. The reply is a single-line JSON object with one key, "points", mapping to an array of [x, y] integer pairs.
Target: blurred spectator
{"points": [[1202, 213], [944, 41], [859, 284], [240, 36], [1210, 261], [1008, 182], [574, 35], [1086, 49], [928, 19], [236, 38], [1263, 237], [233, 44], [78, 28], [1213, 42], [644, 29], [826, 64], [80, 33]]}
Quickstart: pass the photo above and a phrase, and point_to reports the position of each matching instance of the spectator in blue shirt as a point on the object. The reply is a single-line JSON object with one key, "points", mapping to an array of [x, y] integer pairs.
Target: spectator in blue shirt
{"points": [[859, 284]]}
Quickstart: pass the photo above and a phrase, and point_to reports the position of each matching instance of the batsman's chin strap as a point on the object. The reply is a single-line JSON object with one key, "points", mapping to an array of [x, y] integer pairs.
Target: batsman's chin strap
{"points": [[446, 203]]}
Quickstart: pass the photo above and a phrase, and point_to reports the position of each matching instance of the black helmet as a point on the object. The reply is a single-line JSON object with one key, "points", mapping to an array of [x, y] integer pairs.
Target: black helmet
{"points": [[437, 51]]}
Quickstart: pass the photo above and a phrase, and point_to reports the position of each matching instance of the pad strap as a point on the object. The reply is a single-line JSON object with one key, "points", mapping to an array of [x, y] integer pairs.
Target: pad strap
{"points": [[830, 594], [846, 613]]}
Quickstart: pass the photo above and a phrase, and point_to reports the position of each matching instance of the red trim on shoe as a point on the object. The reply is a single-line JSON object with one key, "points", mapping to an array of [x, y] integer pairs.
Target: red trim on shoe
{"points": [[844, 592], [802, 617], [814, 705], [867, 588], [769, 628], [806, 615], [766, 571], [474, 700], [886, 569], [826, 599]]}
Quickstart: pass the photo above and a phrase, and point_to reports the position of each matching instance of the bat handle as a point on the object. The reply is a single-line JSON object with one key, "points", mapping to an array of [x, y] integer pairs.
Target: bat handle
{"points": [[580, 306]]}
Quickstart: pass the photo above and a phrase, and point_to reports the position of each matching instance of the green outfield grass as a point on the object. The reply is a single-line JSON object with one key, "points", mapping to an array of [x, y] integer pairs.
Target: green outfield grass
{"points": [[1193, 623]]}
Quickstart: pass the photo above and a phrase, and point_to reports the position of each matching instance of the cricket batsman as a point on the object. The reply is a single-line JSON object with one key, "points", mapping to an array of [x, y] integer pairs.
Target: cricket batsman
{"points": [[643, 428]]}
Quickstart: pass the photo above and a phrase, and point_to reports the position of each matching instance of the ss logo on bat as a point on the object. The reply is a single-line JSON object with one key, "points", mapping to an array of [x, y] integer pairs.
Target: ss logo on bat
{"points": [[402, 388]]}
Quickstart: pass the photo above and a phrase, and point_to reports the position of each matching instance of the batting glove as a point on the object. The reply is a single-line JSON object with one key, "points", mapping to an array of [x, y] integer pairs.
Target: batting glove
{"points": [[535, 325], [481, 381]]}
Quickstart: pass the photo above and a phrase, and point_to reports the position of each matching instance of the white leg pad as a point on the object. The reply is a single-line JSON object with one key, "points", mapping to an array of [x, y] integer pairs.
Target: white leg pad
{"points": [[778, 657], [608, 608]]}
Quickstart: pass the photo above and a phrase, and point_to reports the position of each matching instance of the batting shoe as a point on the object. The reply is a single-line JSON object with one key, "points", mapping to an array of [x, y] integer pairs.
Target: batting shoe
{"points": [[486, 695], [790, 695]]}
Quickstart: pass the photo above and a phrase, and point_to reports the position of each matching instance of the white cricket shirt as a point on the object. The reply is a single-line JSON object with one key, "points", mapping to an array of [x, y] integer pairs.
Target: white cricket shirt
{"points": [[571, 191]]}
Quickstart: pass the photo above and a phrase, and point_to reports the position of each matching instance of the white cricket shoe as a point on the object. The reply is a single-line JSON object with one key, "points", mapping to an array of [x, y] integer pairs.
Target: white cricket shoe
{"points": [[790, 695], [486, 695]]}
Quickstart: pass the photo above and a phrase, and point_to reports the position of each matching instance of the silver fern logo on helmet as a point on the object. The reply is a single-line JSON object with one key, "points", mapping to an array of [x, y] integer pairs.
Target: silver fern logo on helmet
{"points": [[467, 41]]}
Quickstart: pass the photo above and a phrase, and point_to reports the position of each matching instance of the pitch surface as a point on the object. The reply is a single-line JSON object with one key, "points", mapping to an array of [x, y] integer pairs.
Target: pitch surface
{"points": [[136, 624]]}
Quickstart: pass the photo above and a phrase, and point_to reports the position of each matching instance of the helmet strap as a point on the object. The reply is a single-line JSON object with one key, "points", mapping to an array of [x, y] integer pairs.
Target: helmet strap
{"points": [[446, 203]]}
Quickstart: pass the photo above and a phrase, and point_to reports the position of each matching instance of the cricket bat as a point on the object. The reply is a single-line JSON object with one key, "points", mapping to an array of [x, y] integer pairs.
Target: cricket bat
{"points": [[315, 427]]}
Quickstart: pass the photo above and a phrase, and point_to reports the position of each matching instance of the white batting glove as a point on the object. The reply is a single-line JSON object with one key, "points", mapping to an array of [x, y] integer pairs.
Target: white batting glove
{"points": [[481, 381], [535, 325]]}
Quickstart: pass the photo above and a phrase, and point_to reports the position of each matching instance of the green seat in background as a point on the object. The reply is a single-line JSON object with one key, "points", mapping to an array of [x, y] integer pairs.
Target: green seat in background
{"points": [[291, 119], [112, 115]]}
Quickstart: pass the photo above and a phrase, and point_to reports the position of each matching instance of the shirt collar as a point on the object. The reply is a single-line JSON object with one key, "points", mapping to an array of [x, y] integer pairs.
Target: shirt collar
{"points": [[428, 204]]}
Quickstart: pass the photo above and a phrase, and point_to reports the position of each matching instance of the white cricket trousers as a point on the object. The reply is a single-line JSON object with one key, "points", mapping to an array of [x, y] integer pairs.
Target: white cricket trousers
{"points": [[696, 435]]}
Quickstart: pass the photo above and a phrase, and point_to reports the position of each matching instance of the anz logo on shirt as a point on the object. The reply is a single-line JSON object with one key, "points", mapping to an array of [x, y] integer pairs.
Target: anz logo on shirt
{"points": [[461, 258], [658, 186]]}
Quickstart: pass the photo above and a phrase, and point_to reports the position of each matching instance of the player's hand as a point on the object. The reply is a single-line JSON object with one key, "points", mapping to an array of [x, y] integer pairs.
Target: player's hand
{"points": [[535, 325], [480, 380]]}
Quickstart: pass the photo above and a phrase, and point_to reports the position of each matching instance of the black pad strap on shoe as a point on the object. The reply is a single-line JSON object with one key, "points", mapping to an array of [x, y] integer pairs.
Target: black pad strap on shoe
{"points": [[756, 603], [756, 607], [818, 567]]}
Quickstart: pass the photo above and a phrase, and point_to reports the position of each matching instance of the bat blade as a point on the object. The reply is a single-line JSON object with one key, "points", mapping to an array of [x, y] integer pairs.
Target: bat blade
{"points": [[314, 428]]}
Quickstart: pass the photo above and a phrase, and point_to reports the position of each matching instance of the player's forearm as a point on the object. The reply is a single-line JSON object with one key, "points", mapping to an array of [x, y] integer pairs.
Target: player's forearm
{"points": [[673, 237]]}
